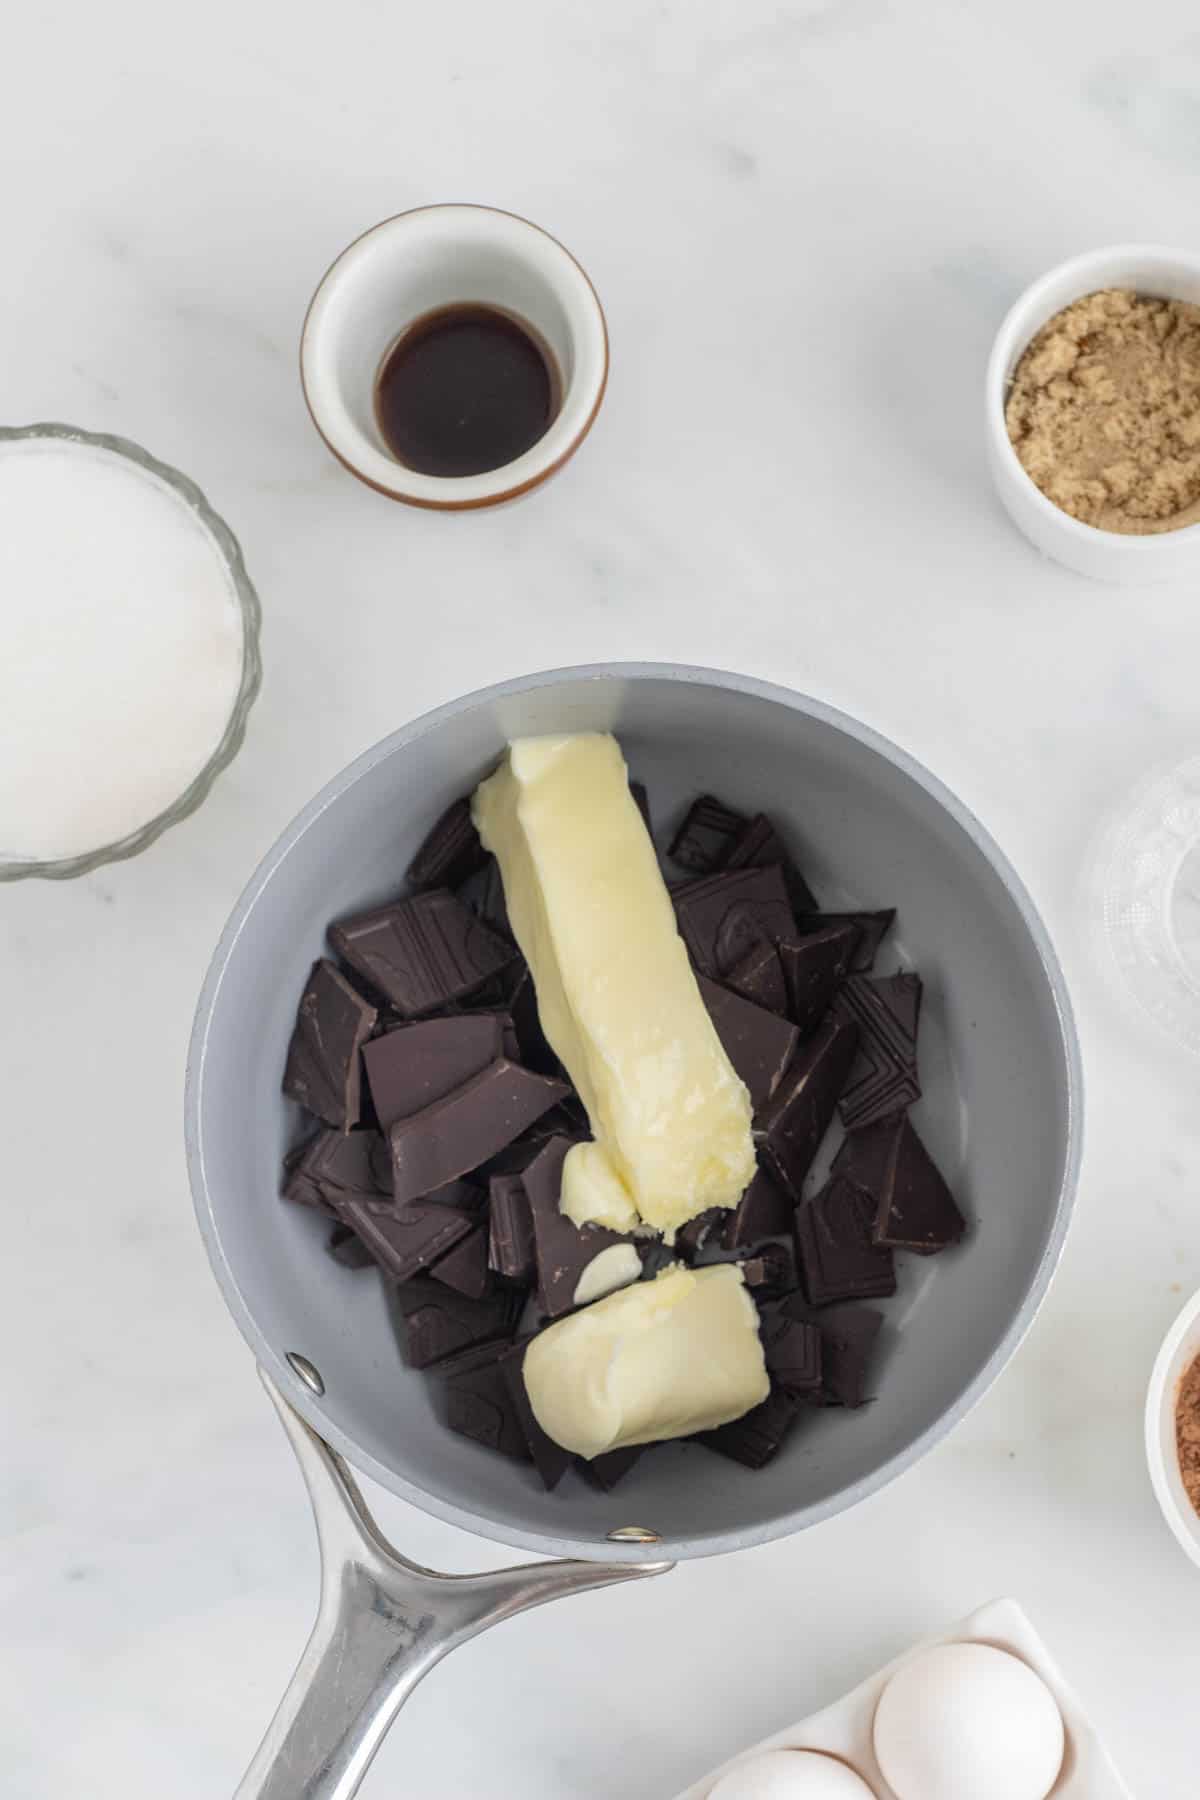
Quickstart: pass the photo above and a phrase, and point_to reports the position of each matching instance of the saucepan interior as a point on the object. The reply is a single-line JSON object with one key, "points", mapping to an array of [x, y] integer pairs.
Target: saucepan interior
{"points": [[1000, 1109]]}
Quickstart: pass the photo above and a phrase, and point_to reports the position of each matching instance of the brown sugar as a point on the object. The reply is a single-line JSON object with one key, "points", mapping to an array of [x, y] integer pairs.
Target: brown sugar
{"points": [[1104, 411], [1187, 1432]]}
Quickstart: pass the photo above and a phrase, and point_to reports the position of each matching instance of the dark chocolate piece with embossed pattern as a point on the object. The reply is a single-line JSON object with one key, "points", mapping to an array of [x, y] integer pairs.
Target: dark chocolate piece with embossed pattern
{"points": [[451, 851], [759, 978], [722, 918], [755, 1439], [814, 967], [421, 953], [883, 1078], [760, 844], [406, 1239], [835, 1243], [914, 1208], [791, 1127], [708, 833], [479, 1405], [872, 928], [437, 1322], [323, 1071]]}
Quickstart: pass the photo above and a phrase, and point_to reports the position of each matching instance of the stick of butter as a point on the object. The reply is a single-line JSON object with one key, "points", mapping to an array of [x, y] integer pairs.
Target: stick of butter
{"points": [[616, 994], [657, 1360]]}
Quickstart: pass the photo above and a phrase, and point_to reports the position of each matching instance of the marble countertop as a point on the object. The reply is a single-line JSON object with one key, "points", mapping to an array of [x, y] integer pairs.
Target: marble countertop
{"points": [[805, 223]]}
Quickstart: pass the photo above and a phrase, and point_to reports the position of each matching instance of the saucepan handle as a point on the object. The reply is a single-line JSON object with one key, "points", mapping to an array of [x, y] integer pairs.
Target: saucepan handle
{"points": [[382, 1624]]}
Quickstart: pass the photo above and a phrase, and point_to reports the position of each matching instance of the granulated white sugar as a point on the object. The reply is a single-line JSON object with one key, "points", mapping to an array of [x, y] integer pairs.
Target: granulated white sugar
{"points": [[122, 647]]}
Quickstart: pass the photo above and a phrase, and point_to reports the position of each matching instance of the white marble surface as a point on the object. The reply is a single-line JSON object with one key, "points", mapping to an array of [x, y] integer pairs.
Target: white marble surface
{"points": [[805, 222]]}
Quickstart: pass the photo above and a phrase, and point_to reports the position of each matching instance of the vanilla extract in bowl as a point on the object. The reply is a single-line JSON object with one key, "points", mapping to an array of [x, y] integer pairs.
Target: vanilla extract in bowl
{"points": [[465, 389]]}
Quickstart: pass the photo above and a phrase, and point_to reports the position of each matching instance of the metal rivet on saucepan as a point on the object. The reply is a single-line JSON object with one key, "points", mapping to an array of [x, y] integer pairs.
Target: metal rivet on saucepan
{"points": [[308, 1373], [633, 1534]]}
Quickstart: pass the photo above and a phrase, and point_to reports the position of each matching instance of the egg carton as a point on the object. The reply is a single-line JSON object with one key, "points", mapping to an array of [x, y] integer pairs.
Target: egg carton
{"points": [[844, 1729]]}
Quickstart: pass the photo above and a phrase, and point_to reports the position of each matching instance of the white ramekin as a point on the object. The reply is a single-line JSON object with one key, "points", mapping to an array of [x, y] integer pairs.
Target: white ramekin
{"points": [[1180, 1348], [1104, 555], [411, 265]]}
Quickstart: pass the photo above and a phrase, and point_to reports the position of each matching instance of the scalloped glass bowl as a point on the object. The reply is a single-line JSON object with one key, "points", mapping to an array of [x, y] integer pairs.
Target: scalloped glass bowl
{"points": [[230, 740]]}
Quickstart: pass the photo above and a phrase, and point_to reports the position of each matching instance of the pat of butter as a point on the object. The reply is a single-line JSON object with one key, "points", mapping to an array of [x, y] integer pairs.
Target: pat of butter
{"points": [[657, 1360], [592, 1191], [616, 994]]}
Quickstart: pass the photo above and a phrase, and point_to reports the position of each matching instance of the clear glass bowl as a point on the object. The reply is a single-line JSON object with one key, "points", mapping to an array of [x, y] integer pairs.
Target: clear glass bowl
{"points": [[1145, 879], [251, 681]]}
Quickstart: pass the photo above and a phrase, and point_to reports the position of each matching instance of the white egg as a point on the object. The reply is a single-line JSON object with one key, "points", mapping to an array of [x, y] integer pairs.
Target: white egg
{"points": [[968, 1719], [791, 1775]]}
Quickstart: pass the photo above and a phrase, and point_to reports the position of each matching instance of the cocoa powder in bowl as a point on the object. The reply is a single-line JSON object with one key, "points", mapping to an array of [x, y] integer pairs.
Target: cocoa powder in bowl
{"points": [[1187, 1431]]}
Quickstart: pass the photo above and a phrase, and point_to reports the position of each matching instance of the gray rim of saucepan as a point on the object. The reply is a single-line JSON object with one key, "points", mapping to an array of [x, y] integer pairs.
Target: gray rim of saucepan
{"points": [[546, 1543]]}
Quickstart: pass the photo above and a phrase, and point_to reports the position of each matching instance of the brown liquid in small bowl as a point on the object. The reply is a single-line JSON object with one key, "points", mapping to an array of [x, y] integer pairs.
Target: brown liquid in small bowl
{"points": [[464, 390]]}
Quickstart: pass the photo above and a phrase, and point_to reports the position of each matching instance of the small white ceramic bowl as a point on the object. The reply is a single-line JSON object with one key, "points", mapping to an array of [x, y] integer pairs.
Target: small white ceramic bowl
{"points": [[411, 265], [1180, 1348], [1104, 555]]}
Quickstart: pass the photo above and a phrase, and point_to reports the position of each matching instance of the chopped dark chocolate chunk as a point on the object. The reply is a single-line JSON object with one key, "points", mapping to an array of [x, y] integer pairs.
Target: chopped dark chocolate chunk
{"points": [[792, 1349], [549, 1458], [756, 845], [510, 1043], [606, 1471], [475, 1356], [346, 1247], [691, 1238], [480, 1406], [421, 953], [835, 1243], [771, 1270], [914, 1208], [466, 1266], [323, 1071], [791, 1127], [813, 968], [755, 1439], [564, 1120], [535, 1050], [708, 833], [563, 1249], [451, 853], [464, 1128], [641, 800], [764, 1211], [760, 844], [483, 892], [883, 1078], [438, 1322], [413, 1065], [338, 1163], [510, 1236], [298, 1183], [759, 978], [848, 1338], [872, 928], [722, 918], [406, 1239], [758, 1043]]}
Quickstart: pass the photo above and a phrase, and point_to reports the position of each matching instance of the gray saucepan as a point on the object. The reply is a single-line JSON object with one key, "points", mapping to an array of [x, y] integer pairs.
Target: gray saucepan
{"points": [[1000, 1112]]}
